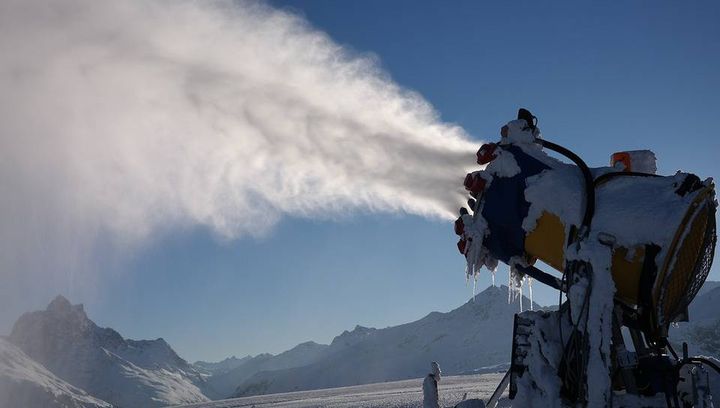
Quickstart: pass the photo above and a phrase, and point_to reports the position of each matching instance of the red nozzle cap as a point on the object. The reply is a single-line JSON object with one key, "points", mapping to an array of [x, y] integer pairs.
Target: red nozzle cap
{"points": [[461, 246], [486, 153], [474, 183], [459, 226], [468, 181]]}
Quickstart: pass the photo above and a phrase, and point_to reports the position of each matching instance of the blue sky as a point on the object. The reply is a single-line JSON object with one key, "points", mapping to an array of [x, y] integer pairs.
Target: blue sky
{"points": [[601, 78]]}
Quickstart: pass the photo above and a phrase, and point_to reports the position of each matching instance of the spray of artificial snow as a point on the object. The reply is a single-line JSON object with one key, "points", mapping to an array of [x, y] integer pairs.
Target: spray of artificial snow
{"points": [[123, 118]]}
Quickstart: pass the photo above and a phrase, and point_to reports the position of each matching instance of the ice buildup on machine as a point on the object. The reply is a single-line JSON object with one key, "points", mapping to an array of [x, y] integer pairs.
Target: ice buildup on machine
{"points": [[631, 249]]}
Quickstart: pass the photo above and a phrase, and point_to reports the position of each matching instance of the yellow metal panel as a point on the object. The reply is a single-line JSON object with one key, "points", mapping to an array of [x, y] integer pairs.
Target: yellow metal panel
{"points": [[547, 241], [626, 273]]}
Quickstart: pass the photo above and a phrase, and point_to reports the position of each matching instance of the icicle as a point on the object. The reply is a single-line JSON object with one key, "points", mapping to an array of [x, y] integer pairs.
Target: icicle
{"points": [[467, 280], [530, 280], [511, 286], [515, 286], [520, 292], [474, 287]]}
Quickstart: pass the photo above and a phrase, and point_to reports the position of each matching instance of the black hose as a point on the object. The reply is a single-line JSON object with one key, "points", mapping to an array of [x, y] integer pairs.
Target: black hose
{"points": [[587, 176], [607, 176]]}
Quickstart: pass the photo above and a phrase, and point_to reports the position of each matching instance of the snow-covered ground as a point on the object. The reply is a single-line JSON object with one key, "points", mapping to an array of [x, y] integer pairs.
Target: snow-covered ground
{"points": [[396, 394], [406, 393]]}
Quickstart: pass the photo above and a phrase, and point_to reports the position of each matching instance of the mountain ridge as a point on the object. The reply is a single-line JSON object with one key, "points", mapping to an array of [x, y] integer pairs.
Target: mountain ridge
{"points": [[366, 355], [225, 383], [472, 338], [100, 361]]}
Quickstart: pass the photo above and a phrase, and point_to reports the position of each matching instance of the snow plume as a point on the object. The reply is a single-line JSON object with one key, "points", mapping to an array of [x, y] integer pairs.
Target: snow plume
{"points": [[120, 119]]}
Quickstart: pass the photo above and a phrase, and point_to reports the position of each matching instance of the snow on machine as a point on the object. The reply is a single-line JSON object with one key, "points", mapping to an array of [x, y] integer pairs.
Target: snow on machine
{"points": [[632, 249]]}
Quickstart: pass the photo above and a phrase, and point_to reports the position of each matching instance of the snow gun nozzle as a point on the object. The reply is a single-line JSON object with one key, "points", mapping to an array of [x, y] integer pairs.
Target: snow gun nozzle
{"points": [[459, 227], [486, 153], [462, 245], [474, 183], [459, 224]]}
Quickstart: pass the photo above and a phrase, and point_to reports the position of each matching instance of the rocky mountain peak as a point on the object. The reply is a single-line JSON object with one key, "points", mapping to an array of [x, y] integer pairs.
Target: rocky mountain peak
{"points": [[100, 361], [60, 306], [348, 338]]}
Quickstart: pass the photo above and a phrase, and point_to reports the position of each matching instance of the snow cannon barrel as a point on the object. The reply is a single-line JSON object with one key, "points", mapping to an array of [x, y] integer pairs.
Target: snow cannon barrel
{"points": [[659, 231]]}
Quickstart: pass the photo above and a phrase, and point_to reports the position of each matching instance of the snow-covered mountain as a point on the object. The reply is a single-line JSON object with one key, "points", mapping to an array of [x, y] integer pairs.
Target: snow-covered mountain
{"points": [[125, 373], [302, 354], [702, 332], [60, 357], [26, 383], [220, 367], [477, 334]]}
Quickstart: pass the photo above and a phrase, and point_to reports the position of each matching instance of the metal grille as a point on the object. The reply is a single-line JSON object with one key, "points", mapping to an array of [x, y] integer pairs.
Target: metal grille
{"points": [[693, 260], [704, 262]]}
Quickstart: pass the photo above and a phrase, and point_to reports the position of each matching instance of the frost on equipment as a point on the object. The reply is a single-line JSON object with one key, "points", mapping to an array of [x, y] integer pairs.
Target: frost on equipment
{"points": [[632, 249]]}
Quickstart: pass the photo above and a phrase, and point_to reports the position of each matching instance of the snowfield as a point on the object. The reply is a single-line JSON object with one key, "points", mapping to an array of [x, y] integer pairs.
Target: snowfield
{"points": [[396, 394]]}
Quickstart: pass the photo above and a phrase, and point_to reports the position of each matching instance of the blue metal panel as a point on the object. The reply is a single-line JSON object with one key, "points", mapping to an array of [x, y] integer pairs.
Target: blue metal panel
{"points": [[505, 207]]}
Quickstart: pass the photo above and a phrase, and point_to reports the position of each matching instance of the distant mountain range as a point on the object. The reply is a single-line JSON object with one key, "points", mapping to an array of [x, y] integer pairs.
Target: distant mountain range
{"points": [[225, 383], [60, 358], [475, 335], [702, 332], [221, 367]]}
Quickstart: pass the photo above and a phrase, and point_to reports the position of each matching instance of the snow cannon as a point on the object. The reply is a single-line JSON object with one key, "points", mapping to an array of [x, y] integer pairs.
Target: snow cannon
{"points": [[529, 206], [650, 238]]}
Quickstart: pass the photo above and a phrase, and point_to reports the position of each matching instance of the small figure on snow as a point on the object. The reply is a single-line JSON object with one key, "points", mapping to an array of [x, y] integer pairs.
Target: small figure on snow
{"points": [[431, 398]]}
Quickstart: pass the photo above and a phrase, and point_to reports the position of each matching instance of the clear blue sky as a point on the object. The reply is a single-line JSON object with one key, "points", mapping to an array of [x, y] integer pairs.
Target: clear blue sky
{"points": [[601, 77]]}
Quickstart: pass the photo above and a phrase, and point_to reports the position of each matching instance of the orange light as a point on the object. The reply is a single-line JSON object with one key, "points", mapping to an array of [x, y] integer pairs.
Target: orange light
{"points": [[621, 157]]}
